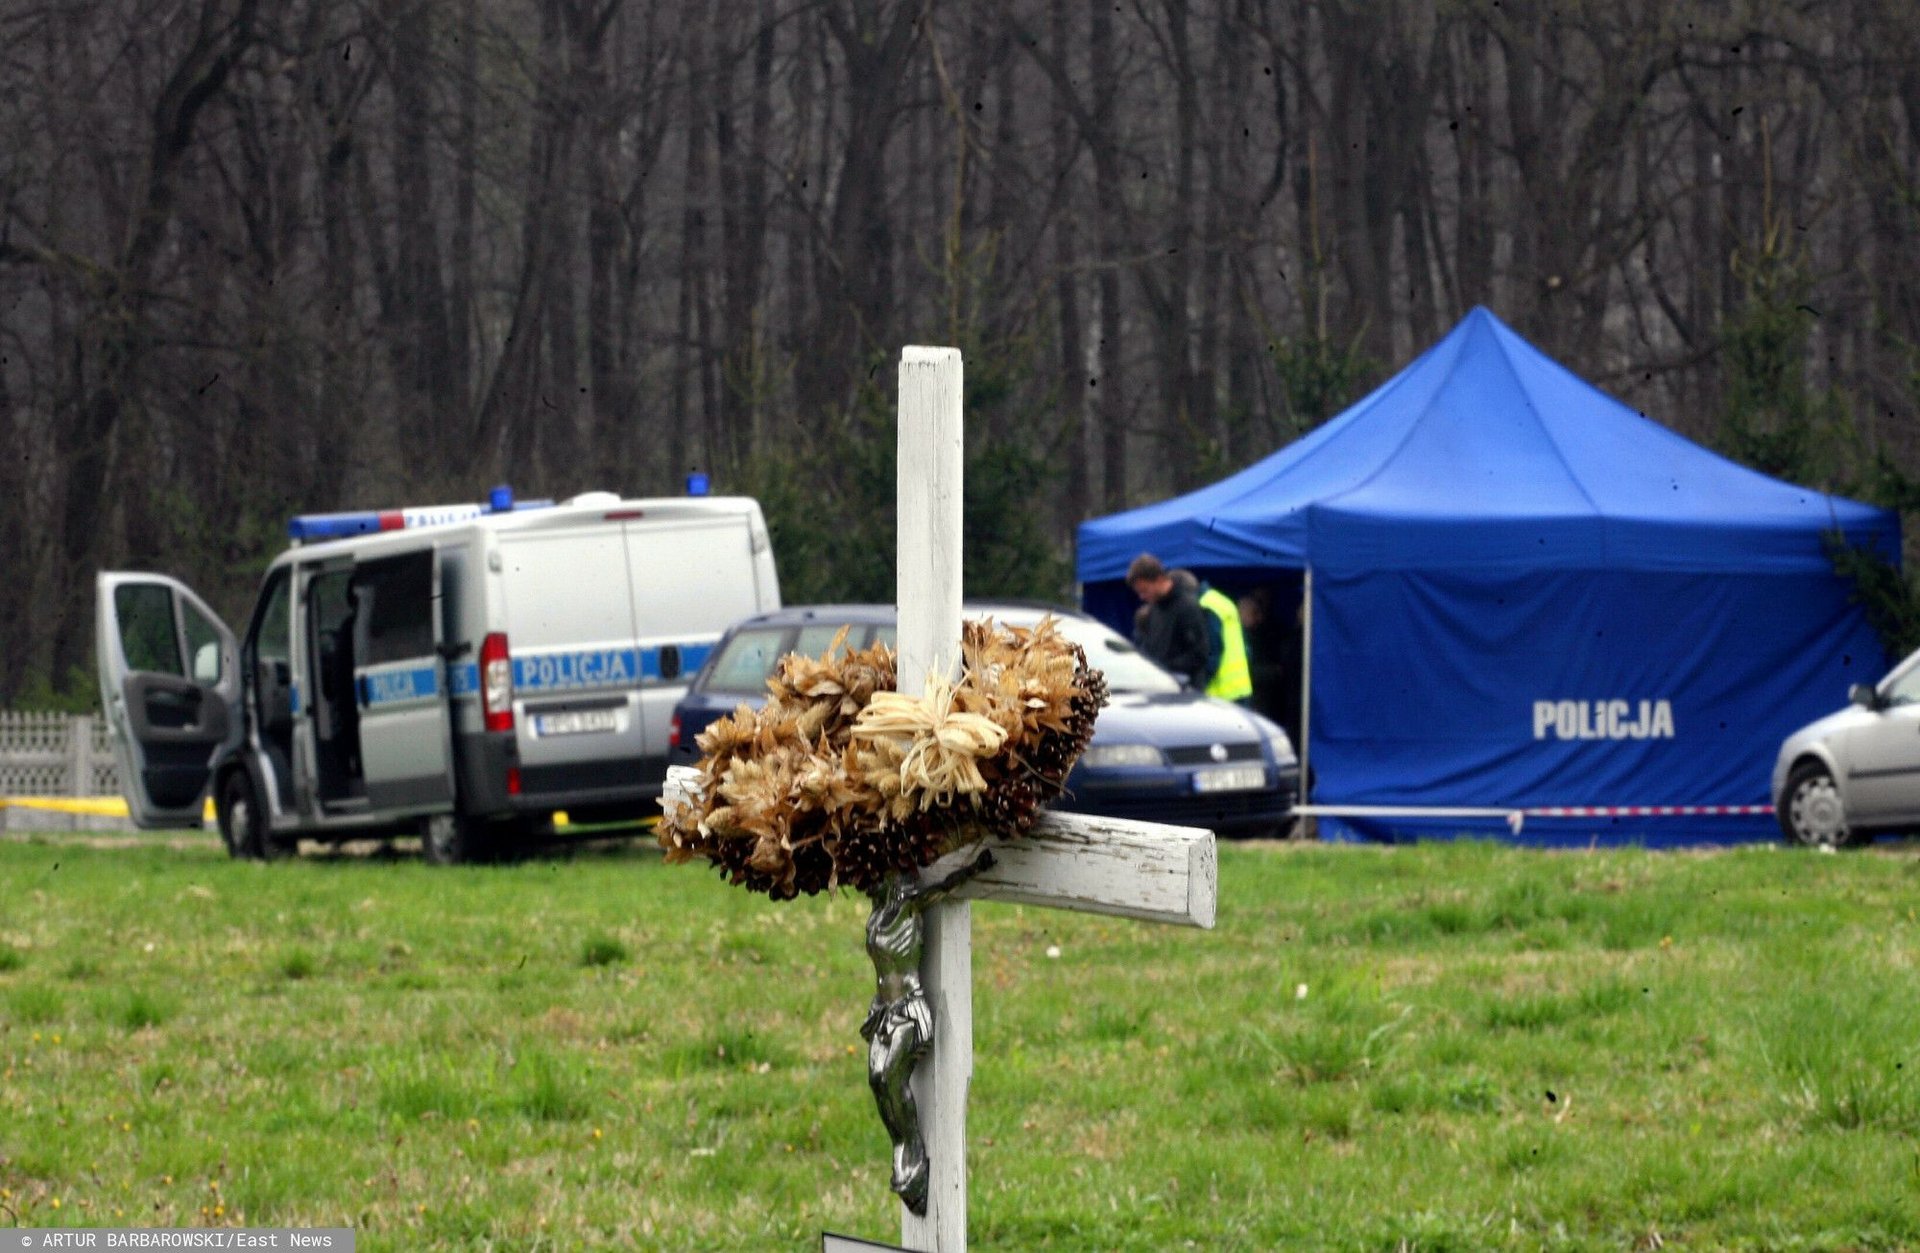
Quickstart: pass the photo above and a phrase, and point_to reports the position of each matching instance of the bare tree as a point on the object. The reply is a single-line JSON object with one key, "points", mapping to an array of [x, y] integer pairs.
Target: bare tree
{"points": [[256, 259]]}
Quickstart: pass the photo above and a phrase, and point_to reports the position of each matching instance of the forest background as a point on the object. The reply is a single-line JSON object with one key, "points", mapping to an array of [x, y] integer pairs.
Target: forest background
{"points": [[264, 258]]}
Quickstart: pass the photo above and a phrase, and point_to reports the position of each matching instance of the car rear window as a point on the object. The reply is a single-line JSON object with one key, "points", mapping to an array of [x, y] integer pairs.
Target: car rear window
{"points": [[747, 659], [815, 640], [1126, 668]]}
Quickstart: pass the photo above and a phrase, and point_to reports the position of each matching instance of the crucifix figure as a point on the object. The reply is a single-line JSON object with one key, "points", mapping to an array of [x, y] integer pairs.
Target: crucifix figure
{"points": [[1067, 861], [899, 1026]]}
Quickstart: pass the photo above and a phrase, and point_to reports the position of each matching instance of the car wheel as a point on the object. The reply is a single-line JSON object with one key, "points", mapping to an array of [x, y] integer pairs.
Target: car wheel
{"points": [[1811, 811], [242, 825], [449, 840]]}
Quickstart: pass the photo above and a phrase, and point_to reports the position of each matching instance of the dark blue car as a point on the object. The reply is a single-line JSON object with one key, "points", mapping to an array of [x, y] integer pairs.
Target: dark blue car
{"points": [[1161, 752]]}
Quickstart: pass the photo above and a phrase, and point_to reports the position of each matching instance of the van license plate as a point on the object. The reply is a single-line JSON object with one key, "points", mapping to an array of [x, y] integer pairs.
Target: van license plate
{"points": [[577, 722], [1230, 779]]}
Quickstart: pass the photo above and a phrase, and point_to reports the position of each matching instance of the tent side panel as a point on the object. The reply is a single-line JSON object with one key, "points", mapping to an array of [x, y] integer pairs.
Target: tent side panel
{"points": [[1572, 688], [1111, 601]]}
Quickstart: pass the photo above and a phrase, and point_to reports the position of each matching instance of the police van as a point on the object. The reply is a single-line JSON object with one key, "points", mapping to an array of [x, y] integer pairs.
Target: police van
{"points": [[458, 673]]}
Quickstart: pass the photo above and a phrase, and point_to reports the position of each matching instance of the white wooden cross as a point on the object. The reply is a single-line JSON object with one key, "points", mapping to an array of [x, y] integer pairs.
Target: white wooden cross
{"points": [[1067, 861]]}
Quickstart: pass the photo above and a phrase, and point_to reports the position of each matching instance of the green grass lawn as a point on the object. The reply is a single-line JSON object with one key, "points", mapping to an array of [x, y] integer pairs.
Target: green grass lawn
{"points": [[1441, 1047]]}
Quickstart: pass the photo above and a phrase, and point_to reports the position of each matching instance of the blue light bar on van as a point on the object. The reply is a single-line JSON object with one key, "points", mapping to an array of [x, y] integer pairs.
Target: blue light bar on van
{"points": [[310, 528]]}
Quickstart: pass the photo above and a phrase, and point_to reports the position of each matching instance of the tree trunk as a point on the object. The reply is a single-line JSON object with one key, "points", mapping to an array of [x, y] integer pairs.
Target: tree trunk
{"points": [[1109, 393], [855, 280], [512, 414], [461, 294], [1078, 449], [110, 352], [420, 331], [683, 443]]}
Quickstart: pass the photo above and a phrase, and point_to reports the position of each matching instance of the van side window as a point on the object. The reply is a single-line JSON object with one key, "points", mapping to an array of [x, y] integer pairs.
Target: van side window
{"points": [[395, 597], [145, 614], [268, 659], [203, 645], [271, 640]]}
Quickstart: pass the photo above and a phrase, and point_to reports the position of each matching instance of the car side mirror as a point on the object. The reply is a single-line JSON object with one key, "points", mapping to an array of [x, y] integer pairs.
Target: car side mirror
{"points": [[1863, 695], [206, 664]]}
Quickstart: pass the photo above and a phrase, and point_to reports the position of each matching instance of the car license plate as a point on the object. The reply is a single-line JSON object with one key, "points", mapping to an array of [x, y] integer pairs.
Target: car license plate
{"points": [[1229, 778], [577, 722]]}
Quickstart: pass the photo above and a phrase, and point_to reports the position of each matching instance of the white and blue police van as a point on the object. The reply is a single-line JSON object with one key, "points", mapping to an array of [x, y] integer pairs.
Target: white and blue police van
{"points": [[458, 673]]}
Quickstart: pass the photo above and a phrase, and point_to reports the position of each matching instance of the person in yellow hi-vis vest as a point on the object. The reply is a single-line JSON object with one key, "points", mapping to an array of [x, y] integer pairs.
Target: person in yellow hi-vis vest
{"points": [[1232, 677]]}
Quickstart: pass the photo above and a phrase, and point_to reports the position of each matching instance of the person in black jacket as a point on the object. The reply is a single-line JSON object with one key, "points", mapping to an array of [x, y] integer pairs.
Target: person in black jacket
{"points": [[1173, 628]]}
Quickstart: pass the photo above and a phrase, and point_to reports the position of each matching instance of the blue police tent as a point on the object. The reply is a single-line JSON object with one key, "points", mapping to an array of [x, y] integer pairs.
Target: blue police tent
{"points": [[1527, 604]]}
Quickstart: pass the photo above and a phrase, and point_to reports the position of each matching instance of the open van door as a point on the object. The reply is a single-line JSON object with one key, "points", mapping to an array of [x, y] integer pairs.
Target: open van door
{"points": [[170, 686], [406, 734]]}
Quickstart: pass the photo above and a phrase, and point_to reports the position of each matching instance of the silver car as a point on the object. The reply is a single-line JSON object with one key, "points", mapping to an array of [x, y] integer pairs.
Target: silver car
{"points": [[1856, 771]]}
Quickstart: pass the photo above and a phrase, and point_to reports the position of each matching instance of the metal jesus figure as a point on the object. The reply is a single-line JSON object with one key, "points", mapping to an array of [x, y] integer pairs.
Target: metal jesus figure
{"points": [[899, 1025]]}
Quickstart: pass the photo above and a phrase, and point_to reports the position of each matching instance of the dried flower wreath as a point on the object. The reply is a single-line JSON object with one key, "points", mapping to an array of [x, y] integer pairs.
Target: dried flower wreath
{"points": [[839, 780]]}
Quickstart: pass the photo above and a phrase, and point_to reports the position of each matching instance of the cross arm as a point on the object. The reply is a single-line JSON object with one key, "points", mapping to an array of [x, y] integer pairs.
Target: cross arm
{"points": [[1100, 865], [1114, 866]]}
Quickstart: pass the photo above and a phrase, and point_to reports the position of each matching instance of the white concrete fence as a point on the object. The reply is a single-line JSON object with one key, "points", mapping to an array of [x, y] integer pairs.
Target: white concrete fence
{"points": [[55, 756]]}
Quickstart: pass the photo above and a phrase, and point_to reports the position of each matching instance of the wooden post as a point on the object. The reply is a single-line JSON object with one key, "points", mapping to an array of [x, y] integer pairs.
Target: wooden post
{"points": [[929, 483], [79, 764]]}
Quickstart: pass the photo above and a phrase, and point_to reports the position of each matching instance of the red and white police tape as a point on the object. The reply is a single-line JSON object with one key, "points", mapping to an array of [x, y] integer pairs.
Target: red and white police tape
{"points": [[1641, 811], [1516, 818]]}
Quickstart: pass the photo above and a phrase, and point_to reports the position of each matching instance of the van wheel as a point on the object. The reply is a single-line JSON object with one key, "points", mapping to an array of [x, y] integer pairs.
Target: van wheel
{"points": [[1811, 811], [449, 840], [242, 825]]}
